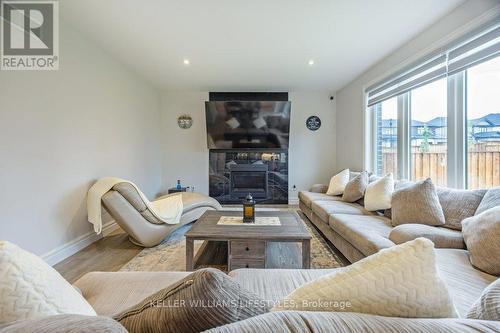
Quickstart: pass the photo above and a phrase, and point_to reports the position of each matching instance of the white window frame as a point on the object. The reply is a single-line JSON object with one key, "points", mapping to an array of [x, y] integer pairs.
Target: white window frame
{"points": [[456, 134], [457, 131], [451, 60]]}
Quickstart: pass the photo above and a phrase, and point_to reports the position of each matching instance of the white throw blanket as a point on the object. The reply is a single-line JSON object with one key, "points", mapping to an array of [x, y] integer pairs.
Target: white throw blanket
{"points": [[167, 210]]}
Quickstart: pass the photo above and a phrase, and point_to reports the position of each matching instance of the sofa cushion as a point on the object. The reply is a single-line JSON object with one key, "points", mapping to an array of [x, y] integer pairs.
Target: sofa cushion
{"points": [[368, 233], [110, 293], [417, 203], [465, 282], [441, 237], [487, 307], [316, 322], [66, 323], [491, 199], [482, 236], [308, 197], [369, 286], [31, 288], [274, 284], [325, 208], [458, 205], [355, 188], [205, 299]]}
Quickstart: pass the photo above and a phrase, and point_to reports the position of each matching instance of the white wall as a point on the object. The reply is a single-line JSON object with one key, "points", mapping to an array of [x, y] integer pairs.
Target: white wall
{"points": [[312, 153], [185, 153], [350, 108], [60, 131]]}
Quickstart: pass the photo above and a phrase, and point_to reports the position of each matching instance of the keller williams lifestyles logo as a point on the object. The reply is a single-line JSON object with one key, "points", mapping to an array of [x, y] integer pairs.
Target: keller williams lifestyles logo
{"points": [[29, 35]]}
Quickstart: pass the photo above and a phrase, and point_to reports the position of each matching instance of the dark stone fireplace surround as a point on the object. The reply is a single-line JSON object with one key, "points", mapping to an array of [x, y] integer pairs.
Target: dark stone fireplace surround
{"points": [[234, 173]]}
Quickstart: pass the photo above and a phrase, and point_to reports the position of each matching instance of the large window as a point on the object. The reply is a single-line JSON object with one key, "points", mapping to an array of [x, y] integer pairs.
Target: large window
{"points": [[428, 114], [483, 125], [439, 117]]}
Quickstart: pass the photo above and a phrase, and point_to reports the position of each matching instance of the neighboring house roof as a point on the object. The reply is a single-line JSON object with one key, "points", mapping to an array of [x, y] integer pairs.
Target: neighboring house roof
{"points": [[481, 123], [437, 122], [492, 119], [417, 123]]}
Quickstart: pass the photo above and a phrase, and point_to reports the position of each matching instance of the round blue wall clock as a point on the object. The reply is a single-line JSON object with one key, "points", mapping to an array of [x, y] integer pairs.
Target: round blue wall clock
{"points": [[313, 123]]}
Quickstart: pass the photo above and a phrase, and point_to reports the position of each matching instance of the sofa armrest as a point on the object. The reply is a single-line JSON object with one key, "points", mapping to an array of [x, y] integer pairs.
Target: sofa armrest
{"points": [[344, 322], [319, 188]]}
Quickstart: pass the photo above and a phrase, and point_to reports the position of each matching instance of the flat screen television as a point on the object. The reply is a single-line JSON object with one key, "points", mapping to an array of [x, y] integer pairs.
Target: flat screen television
{"points": [[248, 124]]}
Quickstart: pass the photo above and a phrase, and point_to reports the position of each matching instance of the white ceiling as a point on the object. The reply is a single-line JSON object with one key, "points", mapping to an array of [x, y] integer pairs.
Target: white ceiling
{"points": [[252, 45]]}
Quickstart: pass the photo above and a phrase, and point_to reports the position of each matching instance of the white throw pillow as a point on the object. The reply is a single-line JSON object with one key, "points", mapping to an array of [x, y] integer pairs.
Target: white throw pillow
{"points": [[338, 183], [378, 194], [30, 288], [401, 281]]}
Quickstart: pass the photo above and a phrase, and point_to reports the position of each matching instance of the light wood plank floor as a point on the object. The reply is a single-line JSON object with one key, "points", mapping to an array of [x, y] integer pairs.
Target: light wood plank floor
{"points": [[108, 254]]}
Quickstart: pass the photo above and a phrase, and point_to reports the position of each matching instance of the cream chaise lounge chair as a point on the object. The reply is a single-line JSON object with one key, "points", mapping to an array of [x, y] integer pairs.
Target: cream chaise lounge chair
{"points": [[126, 206]]}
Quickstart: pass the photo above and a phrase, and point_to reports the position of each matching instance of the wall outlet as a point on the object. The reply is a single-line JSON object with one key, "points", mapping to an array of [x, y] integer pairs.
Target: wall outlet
{"points": [[294, 188]]}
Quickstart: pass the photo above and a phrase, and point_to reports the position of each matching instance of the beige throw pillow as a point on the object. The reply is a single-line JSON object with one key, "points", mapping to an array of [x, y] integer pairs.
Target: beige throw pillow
{"points": [[338, 183], [401, 281], [202, 300], [356, 187], [417, 203], [378, 193], [482, 237], [30, 288]]}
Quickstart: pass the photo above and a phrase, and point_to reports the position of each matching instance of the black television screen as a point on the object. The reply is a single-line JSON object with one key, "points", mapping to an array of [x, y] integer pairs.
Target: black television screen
{"points": [[247, 124]]}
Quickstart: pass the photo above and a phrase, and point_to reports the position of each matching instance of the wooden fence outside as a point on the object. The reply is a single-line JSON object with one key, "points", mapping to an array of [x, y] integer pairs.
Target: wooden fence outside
{"points": [[483, 167]]}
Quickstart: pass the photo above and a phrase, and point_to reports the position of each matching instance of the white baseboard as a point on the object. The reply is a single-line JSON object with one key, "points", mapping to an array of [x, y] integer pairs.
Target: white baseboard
{"points": [[66, 250], [109, 227]]}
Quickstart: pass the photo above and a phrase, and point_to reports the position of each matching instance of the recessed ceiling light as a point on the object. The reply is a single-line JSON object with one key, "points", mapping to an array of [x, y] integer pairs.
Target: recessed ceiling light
{"points": [[186, 62], [310, 62]]}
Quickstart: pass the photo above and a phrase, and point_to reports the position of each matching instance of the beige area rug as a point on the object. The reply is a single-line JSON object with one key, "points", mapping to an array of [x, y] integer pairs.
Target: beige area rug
{"points": [[170, 255]]}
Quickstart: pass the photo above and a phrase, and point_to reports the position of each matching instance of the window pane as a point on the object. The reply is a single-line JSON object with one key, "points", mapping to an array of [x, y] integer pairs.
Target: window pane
{"points": [[483, 125], [428, 114], [386, 114]]}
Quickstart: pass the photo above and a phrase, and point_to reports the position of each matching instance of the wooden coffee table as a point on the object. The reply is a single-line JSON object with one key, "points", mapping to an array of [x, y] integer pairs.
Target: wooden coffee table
{"points": [[248, 244]]}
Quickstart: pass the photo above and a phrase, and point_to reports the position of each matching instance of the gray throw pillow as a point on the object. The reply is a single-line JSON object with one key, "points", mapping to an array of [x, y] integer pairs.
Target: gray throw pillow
{"points": [[487, 307], [482, 237], [355, 188], [204, 299], [458, 205], [417, 203], [490, 200]]}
